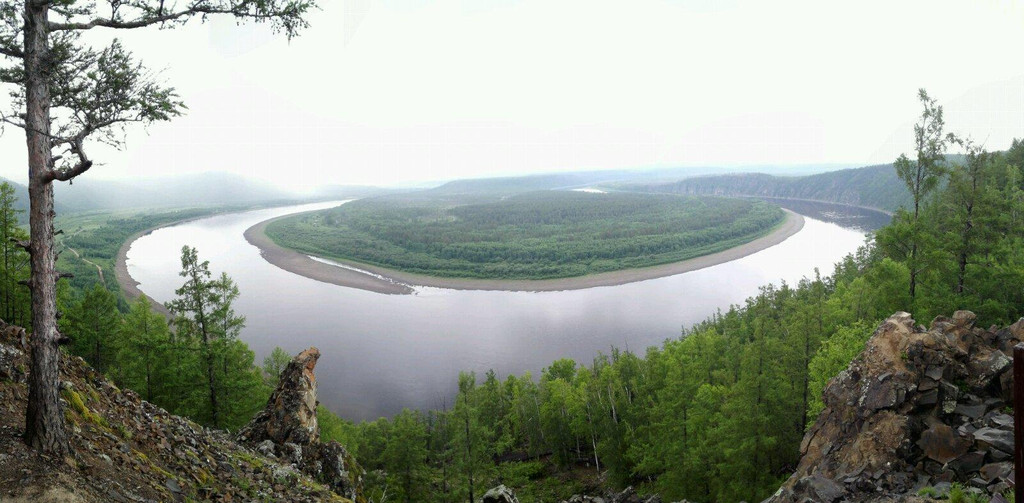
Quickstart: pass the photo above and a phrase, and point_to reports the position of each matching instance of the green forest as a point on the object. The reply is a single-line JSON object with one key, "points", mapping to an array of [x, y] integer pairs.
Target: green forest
{"points": [[716, 414], [536, 235]]}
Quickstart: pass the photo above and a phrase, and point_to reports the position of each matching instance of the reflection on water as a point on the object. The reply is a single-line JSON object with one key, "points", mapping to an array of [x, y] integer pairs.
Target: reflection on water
{"points": [[385, 352], [850, 217]]}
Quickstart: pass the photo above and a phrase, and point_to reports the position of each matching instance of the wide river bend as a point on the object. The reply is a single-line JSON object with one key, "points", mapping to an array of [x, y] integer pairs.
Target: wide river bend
{"points": [[385, 352]]}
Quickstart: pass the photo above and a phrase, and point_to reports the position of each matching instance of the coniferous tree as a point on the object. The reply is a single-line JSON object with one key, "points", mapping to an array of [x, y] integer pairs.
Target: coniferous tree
{"points": [[93, 324], [908, 236], [205, 322], [405, 456], [14, 270], [193, 324], [274, 364], [471, 450], [146, 353]]}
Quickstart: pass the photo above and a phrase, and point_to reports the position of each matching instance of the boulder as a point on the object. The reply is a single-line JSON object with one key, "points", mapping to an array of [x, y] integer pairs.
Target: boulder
{"points": [[992, 438], [942, 444], [500, 494]]}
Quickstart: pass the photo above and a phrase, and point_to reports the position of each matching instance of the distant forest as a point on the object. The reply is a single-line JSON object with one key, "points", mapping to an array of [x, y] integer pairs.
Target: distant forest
{"points": [[875, 187], [537, 235], [718, 413]]}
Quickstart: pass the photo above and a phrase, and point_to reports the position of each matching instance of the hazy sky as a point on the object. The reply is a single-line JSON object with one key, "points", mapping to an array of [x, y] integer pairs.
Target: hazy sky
{"points": [[379, 91]]}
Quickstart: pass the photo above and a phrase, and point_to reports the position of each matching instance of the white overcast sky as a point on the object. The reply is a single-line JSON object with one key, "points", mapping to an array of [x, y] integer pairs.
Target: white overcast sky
{"points": [[386, 91]]}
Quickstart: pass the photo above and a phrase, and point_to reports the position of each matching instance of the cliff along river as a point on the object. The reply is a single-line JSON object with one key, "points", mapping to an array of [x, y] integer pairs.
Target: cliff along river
{"points": [[385, 352]]}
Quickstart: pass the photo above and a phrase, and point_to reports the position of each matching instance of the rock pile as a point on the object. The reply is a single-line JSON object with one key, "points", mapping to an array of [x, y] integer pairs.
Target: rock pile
{"points": [[918, 408], [628, 495], [286, 429]]}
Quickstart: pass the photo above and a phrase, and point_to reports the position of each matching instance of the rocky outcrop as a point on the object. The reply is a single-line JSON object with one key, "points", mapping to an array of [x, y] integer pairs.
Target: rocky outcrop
{"points": [[918, 408], [286, 429], [124, 449], [290, 414]]}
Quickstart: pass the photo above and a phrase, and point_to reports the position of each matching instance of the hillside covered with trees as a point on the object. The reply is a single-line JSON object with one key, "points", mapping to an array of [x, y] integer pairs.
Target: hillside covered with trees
{"points": [[536, 235], [875, 187], [718, 414]]}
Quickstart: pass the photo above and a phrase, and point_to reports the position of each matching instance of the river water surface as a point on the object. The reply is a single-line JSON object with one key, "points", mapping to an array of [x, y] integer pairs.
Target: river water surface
{"points": [[385, 352]]}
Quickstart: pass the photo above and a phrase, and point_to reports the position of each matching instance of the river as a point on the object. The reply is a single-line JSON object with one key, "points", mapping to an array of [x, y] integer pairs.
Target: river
{"points": [[385, 352]]}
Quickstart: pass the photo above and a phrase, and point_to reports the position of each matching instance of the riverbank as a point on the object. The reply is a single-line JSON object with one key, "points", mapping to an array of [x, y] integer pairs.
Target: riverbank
{"points": [[382, 280], [130, 287]]}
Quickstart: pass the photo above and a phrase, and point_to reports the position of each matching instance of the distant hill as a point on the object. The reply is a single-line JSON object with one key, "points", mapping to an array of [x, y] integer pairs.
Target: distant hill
{"points": [[327, 192], [516, 184], [21, 192], [179, 191], [875, 187], [192, 190], [549, 181]]}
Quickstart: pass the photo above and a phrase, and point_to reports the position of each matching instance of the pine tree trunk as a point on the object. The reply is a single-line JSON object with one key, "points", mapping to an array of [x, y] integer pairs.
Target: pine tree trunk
{"points": [[44, 420]]}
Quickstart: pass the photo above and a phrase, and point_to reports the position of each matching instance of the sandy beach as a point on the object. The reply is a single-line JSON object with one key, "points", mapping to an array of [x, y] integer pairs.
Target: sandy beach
{"points": [[399, 282]]}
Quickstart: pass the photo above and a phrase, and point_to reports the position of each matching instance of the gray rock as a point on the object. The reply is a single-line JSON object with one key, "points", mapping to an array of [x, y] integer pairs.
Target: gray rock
{"points": [[292, 453], [992, 438], [1001, 420], [290, 413], [500, 494], [266, 448], [985, 370], [819, 488], [284, 473], [968, 463], [173, 486], [971, 411], [995, 471], [9, 367]]}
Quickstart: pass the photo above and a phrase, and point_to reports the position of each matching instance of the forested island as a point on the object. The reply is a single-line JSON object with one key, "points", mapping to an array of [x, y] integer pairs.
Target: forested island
{"points": [[530, 236]]}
